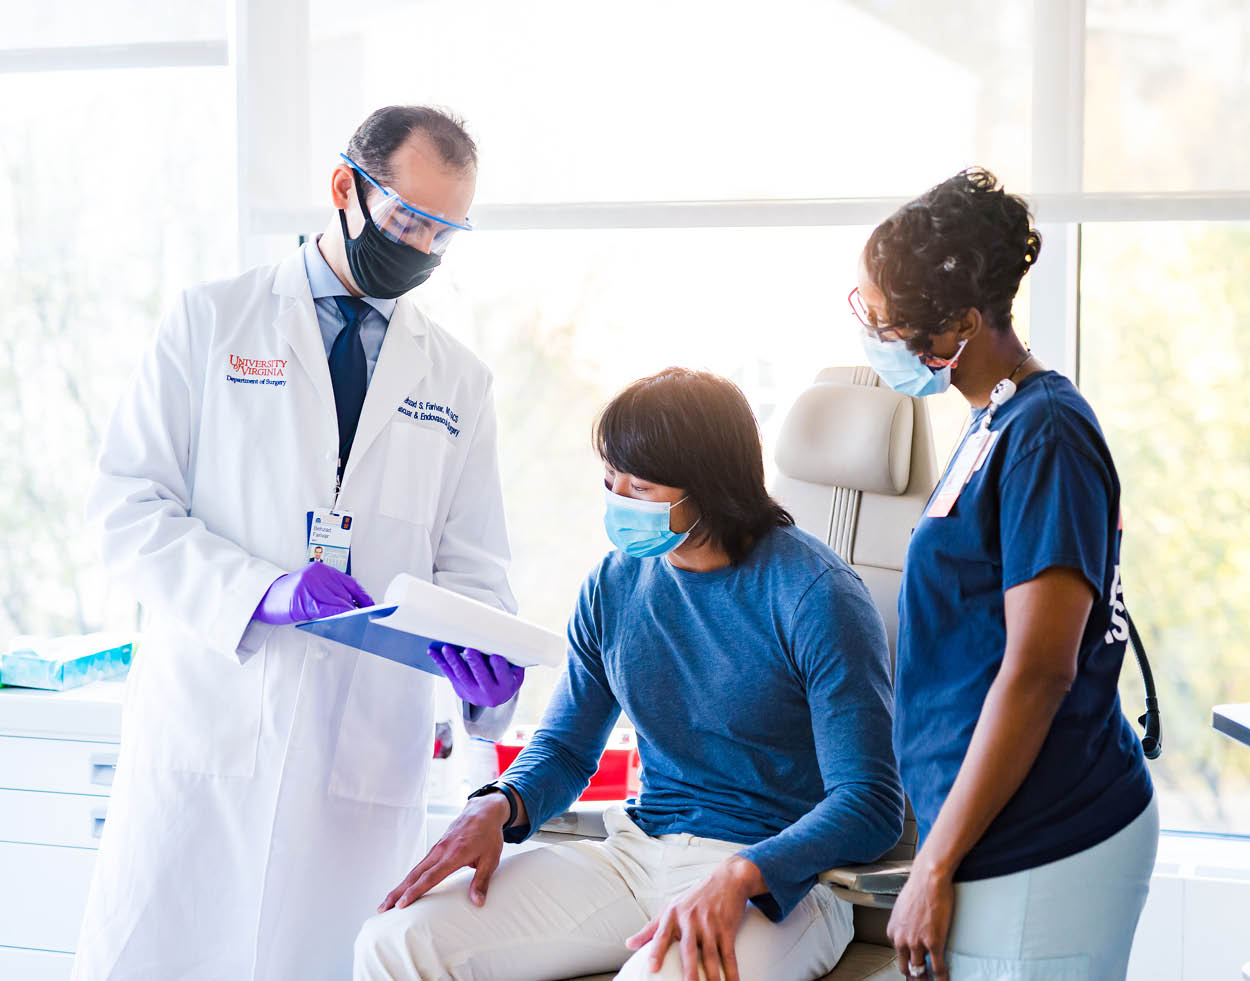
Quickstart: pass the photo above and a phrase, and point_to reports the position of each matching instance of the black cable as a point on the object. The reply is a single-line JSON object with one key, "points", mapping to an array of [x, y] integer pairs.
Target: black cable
{"points": [[1152, 741]]}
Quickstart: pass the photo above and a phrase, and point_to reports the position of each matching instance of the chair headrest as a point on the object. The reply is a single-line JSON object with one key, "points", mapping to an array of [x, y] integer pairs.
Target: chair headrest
{"points": [[855, 436]]}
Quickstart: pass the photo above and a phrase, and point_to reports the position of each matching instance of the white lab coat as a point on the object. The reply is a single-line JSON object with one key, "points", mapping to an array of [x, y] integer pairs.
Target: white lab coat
{"points": [[270, 789]]}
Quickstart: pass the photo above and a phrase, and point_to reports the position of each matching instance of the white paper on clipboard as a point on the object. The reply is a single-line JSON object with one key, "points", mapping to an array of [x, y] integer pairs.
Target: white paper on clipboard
{"points": [[431, 611]]}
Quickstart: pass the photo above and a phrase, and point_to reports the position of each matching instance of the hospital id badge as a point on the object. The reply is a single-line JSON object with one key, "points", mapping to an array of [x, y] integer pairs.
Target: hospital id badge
{"points": [[330, 538], [973, 454]]}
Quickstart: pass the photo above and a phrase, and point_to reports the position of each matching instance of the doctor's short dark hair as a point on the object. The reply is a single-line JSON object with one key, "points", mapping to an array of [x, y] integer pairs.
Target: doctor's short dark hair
{"points": [[387, 129], [964, 244], [696, 431]]}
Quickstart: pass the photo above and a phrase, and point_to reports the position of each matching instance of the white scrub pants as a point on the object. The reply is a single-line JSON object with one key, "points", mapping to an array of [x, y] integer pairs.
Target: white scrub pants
{"points": [[1070, 920], [563, 911]]}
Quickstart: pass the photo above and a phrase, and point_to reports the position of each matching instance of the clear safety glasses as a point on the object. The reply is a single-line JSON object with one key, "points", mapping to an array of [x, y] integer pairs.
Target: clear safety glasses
{"points": [[407, 224]]}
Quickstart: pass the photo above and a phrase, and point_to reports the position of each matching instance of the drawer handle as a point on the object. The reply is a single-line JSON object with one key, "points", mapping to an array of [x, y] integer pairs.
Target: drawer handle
{"points": [[103, 765], [97, 822]]}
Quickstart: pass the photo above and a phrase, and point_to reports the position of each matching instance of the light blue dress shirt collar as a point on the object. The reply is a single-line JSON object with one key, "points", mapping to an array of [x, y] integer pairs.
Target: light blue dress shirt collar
{"points": [[325, 283], [325, 286]]}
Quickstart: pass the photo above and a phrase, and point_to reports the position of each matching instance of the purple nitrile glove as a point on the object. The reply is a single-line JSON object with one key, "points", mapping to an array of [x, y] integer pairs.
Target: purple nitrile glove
{"points": [[315, 591], [480, 679]]}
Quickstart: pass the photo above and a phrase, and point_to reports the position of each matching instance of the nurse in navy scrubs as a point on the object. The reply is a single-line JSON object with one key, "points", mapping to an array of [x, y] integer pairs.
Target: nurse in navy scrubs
{"points": [[1037, 815]]}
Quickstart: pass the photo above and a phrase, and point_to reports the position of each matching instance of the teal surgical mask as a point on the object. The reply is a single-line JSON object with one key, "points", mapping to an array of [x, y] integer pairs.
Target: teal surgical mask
{"points": [[904, 372], [640, 528]]}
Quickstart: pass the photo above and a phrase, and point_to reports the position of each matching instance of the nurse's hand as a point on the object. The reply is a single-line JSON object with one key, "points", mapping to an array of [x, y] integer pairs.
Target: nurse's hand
{"points": [[704, 922], [474, 840], [921, 921], [480, 679], [313, 592]]}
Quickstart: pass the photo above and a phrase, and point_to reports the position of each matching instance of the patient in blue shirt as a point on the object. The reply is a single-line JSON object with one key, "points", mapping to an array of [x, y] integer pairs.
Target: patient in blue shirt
{"points": [[755, 669]]}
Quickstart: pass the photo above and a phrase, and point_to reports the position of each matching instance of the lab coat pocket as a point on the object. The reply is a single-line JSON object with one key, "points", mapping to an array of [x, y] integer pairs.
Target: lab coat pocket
{"points": [[418, 460], [964, 967], [192, 708], [386, 737]]}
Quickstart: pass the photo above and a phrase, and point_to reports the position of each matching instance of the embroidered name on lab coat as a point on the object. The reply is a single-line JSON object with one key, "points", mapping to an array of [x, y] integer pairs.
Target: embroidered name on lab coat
{"points": [[435, 412]]}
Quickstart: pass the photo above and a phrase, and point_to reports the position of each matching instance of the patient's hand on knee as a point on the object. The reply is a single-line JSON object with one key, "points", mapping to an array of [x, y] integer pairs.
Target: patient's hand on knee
{"points": [[474, 840]]}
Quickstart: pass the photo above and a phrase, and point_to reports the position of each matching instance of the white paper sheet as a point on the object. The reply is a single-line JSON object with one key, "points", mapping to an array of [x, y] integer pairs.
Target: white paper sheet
{"points": [[431, 611]]}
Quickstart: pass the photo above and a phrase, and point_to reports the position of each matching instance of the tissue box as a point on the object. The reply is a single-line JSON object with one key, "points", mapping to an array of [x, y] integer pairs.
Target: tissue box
{"points": [[65, 662]]}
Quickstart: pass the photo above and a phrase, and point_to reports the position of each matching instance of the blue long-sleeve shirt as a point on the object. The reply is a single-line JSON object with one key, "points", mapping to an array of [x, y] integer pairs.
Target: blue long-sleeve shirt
{"points": [[761, 697]]}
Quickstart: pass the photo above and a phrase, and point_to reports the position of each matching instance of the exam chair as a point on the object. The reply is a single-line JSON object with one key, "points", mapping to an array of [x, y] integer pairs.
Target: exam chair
{"points": [[855, 466]]}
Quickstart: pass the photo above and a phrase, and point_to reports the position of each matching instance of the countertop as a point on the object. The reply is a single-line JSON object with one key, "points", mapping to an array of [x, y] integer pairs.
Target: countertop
{"points": [[92, 712]]}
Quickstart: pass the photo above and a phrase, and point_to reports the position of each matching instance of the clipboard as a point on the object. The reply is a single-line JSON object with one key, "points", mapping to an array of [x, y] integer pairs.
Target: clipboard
{"points": [[417, 613], [360, 629]]}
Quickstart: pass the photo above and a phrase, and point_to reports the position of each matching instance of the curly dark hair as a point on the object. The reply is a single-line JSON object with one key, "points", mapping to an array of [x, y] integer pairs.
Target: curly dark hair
{"points": [[964, 244], [695, 430]]}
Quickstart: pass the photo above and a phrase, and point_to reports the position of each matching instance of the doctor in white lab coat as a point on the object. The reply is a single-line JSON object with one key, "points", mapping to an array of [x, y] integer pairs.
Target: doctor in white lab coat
{"points": [[271, 784]]}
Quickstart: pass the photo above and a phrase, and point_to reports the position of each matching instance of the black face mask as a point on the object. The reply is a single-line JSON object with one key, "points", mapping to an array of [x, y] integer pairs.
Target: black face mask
{"points": [[383, 269]]}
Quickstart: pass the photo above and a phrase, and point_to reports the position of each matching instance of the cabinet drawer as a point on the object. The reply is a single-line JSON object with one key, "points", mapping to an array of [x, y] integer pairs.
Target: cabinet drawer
{"points": [[43, 894], [61, 766], [36, 818], [34, 965]]}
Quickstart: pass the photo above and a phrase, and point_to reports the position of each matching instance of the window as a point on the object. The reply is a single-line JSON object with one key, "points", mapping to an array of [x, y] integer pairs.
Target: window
{"points": [[1167, 83], [734, 158], [113, 185], [705, 99], [1164, 317], [47, 27], [565, 319]]}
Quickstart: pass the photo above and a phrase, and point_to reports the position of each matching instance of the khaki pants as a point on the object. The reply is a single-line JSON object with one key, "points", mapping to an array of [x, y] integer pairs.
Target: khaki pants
{"points": [[566, 910]]}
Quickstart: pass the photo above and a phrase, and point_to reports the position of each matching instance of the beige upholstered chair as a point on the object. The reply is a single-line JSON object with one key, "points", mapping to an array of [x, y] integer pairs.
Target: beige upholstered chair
{"points": [[855, 467]]}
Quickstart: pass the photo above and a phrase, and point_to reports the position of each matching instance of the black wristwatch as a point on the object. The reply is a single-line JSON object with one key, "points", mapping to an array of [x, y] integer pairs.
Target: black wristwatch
{"points": [[500, 788]]}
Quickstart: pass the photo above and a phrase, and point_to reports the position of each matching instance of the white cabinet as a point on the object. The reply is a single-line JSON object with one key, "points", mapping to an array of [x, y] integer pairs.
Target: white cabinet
{"points": [[58, 751]]}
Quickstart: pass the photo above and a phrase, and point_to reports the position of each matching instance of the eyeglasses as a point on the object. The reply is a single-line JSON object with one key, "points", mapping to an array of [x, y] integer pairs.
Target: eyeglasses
{"points": [[868, 319], [406, 223]]}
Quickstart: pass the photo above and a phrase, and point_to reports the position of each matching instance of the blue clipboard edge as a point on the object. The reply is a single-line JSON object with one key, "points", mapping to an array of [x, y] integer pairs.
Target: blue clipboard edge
{"points": [[360, 629]]}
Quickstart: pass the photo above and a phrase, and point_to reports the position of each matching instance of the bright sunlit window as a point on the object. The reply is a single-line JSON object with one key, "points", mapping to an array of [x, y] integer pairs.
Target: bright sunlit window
{"points": [[121, 185]]}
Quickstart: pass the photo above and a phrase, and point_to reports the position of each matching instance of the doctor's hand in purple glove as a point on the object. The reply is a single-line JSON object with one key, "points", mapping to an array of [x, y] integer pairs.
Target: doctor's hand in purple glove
{"points": [[313, 592], [480, 679]]}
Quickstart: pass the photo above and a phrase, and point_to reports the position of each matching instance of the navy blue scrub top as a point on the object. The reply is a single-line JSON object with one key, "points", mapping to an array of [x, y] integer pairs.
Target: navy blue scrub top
{"points": [[1047, 495]]}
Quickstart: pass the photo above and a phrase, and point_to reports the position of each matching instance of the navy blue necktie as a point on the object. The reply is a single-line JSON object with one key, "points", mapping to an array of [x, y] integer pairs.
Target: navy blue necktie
{"points": [[348, 372]]}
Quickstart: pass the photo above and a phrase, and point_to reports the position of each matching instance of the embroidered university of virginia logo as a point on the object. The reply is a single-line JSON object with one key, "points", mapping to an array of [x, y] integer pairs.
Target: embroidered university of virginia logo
{"points": [[251, 371], [252, 368]]}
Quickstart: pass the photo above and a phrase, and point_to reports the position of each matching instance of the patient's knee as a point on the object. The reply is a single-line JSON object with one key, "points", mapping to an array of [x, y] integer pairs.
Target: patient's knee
{"points": [[391, 945], [638, 967]]}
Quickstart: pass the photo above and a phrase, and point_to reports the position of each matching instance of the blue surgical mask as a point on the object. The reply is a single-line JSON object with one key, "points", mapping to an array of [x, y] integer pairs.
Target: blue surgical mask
{"points": [[903, 371], [640, 528]]}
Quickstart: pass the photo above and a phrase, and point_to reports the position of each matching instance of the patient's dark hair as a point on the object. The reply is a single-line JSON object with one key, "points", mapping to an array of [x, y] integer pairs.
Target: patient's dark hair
{"points": [[696, 431], [964, 244]]}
